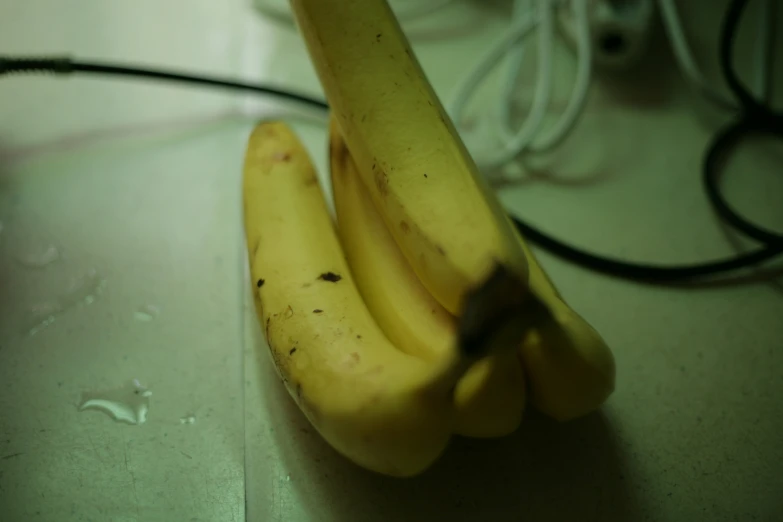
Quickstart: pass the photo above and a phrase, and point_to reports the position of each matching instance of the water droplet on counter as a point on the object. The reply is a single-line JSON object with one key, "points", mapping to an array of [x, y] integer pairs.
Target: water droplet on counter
{"points": [[188, 419], [288, 478], [128, 404], [41, 316], [146, 313], [40, 259], [82, 290], [41, 326]]}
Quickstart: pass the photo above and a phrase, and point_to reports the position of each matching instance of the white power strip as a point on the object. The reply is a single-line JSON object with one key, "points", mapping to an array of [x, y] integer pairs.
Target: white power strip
{"points": [[620, 29]]}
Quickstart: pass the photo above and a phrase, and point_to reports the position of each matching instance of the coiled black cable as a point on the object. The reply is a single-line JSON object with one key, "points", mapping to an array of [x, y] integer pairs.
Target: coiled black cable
{"points": [[755, 118]]}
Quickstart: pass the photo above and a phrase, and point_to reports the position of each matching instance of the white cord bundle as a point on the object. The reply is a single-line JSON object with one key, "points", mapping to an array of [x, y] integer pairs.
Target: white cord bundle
{"points": [[539, 16], [530, 15]]}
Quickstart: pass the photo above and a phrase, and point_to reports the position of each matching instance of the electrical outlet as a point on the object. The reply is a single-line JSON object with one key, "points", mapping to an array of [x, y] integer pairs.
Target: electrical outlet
{"points": [[619, 29]]}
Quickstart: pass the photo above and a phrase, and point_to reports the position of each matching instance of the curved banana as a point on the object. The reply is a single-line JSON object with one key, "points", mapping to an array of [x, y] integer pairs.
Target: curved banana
{"points": [[383, 409], [490, 399], [445, 219], [570, 370]]}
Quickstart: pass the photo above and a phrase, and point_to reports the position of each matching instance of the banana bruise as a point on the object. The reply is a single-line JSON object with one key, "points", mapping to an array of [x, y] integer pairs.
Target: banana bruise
{"points": [[437, 206], [381, 408], [490, 398]]}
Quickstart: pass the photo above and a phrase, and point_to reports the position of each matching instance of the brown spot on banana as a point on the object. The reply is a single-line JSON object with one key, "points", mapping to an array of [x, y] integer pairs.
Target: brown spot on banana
{"points": [[331, 277], [405, 227], [382, 182], [266, 330], [311, 181], [338, 150]]}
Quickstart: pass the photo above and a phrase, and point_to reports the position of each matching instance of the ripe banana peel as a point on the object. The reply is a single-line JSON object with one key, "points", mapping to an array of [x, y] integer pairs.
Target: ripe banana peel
{"points": [[490, 398], [433, 317], [448, 224], [428, 190], [384, 409]]}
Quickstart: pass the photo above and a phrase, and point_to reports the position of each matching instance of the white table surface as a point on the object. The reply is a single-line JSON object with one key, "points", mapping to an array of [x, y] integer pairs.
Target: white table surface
{"points": [[137, 185]]}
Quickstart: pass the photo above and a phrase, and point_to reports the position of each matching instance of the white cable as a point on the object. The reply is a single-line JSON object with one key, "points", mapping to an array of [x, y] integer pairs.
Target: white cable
{"points": [[520, 29], [560, 130], [521, 9], [528, 136], [470, 82], [516, 142], [682, 52]]}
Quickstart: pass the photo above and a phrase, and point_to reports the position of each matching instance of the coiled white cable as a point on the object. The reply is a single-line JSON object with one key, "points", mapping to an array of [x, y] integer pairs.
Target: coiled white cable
{"points": [[522, 26], [560, 130], [528, 16], [523, 9]]}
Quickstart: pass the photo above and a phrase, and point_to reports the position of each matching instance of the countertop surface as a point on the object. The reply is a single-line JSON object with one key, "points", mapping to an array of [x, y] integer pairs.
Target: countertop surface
{"points": [[123, 283]]}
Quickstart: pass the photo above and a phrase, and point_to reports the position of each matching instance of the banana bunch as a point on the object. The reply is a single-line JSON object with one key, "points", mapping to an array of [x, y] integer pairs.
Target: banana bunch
{"points": [[423, 313]]}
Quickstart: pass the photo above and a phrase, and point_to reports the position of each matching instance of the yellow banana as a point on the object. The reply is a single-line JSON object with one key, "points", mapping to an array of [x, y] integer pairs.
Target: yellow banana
{"points": [[383, 409], [490, 399], [570, 369], [437, 206]]}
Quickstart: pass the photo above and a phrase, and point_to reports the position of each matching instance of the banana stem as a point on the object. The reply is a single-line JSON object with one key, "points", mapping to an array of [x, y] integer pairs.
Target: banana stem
{"points": [[498, 314]]}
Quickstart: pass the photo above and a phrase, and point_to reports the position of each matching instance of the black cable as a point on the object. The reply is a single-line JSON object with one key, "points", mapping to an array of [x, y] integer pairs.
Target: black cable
{"points": [[65, 66], [752, 108], [724, 144], [756, 118]]}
